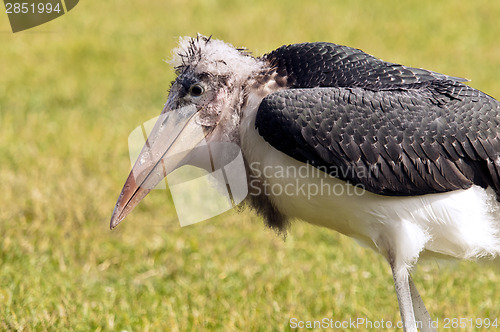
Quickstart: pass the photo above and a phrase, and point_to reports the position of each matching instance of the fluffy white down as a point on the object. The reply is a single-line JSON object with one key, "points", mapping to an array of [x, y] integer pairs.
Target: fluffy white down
{"points": [[464, 224], [216, 57]]}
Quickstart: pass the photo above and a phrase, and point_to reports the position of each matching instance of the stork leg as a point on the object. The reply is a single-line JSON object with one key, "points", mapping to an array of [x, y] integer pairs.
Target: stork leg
{"points": [[402, 283], [419, 308]]}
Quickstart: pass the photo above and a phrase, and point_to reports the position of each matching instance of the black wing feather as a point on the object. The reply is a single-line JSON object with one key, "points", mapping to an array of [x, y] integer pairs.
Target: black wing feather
{"points": [[310, 65], [439, 137]]}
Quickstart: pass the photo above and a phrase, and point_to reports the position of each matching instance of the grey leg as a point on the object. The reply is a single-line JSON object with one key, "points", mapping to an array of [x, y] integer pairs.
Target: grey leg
{"points": [[401, 281], [419, 308]]}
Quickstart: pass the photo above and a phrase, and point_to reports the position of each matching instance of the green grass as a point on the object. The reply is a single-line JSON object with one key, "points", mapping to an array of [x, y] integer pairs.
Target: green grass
{"points": [[73, 89]]}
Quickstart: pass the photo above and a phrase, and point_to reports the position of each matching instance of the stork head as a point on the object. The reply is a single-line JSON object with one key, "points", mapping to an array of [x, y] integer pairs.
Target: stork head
{"points": [[203, 106]]}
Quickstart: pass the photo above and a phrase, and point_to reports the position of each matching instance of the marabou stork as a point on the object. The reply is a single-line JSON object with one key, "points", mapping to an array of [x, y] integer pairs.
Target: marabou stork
{"points": [[423, 147]]}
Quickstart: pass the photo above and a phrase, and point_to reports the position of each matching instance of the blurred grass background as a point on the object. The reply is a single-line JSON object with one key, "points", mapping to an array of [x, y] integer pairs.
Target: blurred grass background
{"points": [[72, 90]]}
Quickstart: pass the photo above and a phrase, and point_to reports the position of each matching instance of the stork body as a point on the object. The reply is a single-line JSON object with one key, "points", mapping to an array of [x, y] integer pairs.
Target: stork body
{"points": [[404, 160]]}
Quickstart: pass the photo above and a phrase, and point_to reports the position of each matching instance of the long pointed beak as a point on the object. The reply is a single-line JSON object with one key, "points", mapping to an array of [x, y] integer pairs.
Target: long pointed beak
{"points": [[175, 134]]}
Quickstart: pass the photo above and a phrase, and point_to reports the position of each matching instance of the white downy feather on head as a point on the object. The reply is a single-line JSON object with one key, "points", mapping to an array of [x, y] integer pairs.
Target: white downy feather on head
{"points": [[214, 56]]}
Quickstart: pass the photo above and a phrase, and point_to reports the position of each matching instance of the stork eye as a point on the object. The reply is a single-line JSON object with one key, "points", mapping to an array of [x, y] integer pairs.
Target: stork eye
{"points": [[196, 90]]}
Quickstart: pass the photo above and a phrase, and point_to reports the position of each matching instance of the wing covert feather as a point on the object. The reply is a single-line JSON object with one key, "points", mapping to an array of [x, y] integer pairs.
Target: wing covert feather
{"points": [[433, 139]]}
